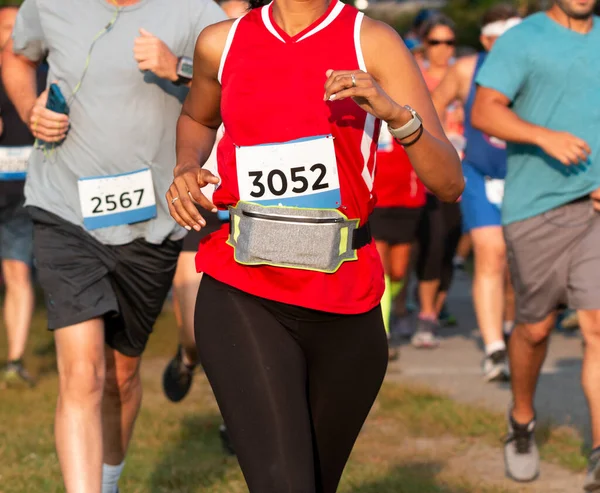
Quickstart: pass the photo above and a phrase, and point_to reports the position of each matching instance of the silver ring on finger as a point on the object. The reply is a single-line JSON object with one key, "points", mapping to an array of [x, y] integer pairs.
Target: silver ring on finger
{"points": [[353, 80], [174, 200]]}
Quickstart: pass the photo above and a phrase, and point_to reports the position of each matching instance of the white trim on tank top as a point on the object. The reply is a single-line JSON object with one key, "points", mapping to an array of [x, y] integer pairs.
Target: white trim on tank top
{"points": [[328, 20], [335, 12], [264, 12], [366, 143], [228, 43]]}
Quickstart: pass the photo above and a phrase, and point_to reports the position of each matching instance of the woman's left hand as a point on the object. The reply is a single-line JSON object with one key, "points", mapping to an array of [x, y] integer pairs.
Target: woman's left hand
{"points": [[366, 93]]}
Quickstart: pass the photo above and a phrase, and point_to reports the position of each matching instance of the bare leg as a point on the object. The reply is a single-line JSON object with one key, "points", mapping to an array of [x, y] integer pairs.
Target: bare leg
{"points": [[185, 290], [440, 299], [399, 259], [489, 282], [465, 245], [428, 294], [18, 306], [589, 321], [509, 299], [527, 351], [383, 249], [120, 404], [78, 425]]}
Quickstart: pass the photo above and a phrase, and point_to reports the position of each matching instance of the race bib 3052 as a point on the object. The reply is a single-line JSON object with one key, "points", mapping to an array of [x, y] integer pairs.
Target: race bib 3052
{"points": [[299, 173]]}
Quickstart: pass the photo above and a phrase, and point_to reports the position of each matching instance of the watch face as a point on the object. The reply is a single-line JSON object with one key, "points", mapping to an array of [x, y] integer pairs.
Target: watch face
{"points": [[186, 68]]}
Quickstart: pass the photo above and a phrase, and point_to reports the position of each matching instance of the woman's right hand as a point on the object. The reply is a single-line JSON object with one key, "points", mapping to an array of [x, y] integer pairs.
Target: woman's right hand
{"points": [[184, 193]]}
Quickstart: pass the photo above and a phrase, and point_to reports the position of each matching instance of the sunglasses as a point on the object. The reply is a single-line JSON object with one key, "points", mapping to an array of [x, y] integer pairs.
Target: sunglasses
{"points": [[437, 42]]}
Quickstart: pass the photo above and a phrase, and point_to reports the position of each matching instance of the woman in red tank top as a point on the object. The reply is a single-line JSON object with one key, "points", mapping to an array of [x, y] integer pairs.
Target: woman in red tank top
{"points": [[289, 328]]}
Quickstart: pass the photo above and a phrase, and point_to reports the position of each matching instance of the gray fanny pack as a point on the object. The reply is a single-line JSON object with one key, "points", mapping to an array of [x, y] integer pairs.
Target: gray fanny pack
{"points": [[310, 239]]}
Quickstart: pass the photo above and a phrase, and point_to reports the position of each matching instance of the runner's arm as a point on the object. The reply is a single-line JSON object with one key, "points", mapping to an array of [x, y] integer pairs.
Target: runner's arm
{"points": [[452, 86], [20, 81], [197, 129], [201, 116], [433, 157], [491, 114]]}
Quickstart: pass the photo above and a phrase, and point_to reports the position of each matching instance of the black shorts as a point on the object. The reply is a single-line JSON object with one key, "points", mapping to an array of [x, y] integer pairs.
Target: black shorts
{"points": [[193, 238], [395, 225], [84, 279]]}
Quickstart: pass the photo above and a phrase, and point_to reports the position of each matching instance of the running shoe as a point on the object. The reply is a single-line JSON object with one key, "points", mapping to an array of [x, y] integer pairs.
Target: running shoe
{"points": [[495, 367], [425, 336], [15, 375], [178, 377], [403, 327], [592, 480], [569, 321], [225, 440], [521, 456]]}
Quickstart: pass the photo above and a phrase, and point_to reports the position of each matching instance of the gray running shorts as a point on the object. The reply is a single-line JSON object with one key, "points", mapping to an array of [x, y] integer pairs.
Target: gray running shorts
{"points": [[554, 259]]}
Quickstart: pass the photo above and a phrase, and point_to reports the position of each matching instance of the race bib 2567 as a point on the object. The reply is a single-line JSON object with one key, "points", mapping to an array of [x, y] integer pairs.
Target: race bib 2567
{"points": [[118, 199]]}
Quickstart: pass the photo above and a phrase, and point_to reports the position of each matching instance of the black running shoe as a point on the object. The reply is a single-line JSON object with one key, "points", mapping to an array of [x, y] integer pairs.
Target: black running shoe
{"points": [[15, 375], [178, 377], [225, 441]]}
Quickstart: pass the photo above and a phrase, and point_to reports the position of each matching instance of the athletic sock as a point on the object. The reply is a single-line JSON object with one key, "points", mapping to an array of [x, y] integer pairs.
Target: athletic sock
{"points": [[508, 327], [458, 262], [110, 477], [494, 346], [386, 304], [396, 288]]}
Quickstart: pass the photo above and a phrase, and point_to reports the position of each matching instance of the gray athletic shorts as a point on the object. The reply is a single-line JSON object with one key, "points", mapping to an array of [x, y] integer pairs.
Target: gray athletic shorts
{"points": [[554, 260]]}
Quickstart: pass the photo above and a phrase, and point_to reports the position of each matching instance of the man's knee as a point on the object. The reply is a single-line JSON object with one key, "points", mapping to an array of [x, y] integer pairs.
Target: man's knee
{"points": [[82, 381], [491, 260], [122, 377], [535, 334]]}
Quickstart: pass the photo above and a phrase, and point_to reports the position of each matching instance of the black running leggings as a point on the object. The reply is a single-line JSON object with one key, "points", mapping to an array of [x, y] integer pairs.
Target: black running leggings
{"points": [[294, 385], [439, 232]]}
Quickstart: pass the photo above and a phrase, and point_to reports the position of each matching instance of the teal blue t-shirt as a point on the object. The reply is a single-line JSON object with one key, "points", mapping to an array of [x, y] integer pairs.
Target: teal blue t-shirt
{"points": [[552, 76]]}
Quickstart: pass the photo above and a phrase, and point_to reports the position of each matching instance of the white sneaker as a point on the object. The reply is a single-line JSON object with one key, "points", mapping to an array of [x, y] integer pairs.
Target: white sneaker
{"points": [[495, 367]]}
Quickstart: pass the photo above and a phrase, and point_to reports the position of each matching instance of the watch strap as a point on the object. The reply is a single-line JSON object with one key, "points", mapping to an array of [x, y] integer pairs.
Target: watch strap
{"points": [[408, 128]]}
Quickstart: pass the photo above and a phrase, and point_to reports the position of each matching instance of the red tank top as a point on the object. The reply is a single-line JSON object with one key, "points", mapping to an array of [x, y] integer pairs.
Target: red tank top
{"points": [[272, 92], [396, 183]]}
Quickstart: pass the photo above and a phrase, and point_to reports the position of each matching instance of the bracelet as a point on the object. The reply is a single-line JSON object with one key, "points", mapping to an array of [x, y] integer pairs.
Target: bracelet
{"points": [[414, 141]]}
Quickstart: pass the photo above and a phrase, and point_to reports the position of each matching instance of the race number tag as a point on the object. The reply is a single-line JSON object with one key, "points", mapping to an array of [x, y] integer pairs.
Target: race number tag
{"points": [[386, 141], [118, 199], [300, 173], [13, 162], [494, 190]]}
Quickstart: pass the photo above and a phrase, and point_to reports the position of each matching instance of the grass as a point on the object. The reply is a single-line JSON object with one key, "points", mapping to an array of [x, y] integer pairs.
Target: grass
{"points": [[176, 447], [427, 413]]}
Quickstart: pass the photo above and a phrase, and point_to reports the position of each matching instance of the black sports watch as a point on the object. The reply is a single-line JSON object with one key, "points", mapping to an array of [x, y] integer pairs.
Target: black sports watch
{"points": [[185, 70]]}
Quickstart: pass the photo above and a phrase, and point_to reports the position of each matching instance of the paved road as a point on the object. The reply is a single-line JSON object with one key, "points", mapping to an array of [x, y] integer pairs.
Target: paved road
{"points": [[454, 368]]}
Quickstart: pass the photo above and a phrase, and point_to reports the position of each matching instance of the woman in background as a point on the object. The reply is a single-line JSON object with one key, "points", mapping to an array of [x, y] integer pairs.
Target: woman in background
{"points": [[440, 227]]}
